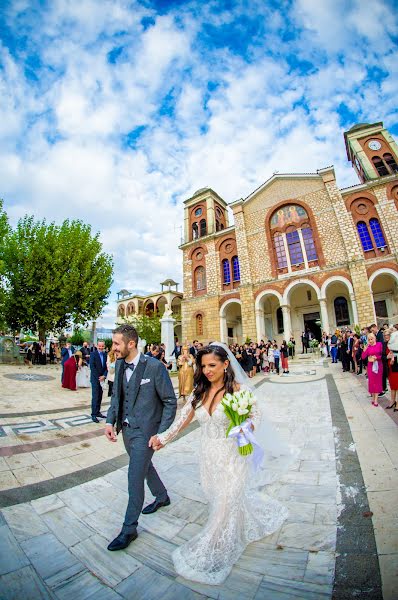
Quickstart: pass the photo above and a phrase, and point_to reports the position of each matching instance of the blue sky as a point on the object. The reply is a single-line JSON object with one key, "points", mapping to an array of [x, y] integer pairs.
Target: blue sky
{"points": [[114, 112]]}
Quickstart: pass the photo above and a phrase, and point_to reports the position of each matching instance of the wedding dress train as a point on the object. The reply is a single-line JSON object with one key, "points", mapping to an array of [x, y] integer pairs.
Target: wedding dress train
{"points": [[238, 514]]}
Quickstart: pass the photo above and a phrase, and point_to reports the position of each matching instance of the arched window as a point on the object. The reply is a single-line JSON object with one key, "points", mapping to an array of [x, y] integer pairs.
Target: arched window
{"points": [[202, 227], [309, 244], [293, 239], [364, 236], [226, 269], [341, 311], [380, 166], [195, 231], [279, 320], [294, 246], [199, 325], [121, 311], [235, 268], [377, 233], [390, 162], [200, 279], [280, 251]]}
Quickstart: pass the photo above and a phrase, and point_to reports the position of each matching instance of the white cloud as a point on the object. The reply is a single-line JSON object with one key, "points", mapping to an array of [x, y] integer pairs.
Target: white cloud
{"points": [[276, 106]]}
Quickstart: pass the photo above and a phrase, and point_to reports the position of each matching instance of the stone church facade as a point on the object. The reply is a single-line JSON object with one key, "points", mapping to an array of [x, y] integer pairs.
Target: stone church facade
{"points": [[302, 253]]}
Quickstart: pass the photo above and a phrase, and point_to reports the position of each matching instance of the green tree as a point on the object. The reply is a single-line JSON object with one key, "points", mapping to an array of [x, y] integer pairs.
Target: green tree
{"points": [[54, 275], [148, 327], [4, 229], [77, 338]]}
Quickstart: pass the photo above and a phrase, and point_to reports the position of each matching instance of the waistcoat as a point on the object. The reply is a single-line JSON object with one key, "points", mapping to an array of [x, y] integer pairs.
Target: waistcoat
{"points": [[127, 399]]}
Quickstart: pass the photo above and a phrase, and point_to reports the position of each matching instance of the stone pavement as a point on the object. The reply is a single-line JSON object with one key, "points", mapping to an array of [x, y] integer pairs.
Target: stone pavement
{"points": [[63, 492]]}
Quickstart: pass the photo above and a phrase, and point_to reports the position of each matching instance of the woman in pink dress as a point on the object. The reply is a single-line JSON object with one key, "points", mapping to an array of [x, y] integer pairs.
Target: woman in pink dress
{"points": [[375, 373]]}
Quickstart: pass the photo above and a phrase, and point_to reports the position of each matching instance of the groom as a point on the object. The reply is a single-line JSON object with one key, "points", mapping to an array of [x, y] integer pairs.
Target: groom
{"points": [[143, 404]]}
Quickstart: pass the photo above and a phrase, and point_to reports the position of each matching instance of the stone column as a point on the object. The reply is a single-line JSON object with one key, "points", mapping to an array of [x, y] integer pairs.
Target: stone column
{"points": [[223, 329], [324, 315], [167, 336], [354, 309], [287, 325], [260, 324]]}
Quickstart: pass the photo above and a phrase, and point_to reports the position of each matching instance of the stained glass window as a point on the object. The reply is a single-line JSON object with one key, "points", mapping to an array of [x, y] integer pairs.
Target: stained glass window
{"points": [[309, 243], [200, 278], [280, 251], [199, 325], [226, 271], [377, 233], [235, 268], [364, 236], [295, 251]]}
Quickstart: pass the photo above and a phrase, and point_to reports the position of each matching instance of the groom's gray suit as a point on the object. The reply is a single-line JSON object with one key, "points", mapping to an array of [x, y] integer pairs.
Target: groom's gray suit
{"points": [[141, 407]]}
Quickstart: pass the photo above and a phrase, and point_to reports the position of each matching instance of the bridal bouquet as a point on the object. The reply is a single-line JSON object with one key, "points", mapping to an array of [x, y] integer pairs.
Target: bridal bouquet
{"points": [[237, 407]]}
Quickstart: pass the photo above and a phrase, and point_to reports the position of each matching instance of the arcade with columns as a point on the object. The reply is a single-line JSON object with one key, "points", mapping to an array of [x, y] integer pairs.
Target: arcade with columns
{"points": [[302, 253]]}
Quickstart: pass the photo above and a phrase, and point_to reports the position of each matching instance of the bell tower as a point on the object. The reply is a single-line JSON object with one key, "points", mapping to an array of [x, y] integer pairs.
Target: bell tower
{"points": [[205, 214], [372, 151]]}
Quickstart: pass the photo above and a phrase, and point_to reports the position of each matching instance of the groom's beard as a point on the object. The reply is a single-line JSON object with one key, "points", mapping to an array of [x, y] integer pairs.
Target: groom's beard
{"points": [[122, 353]]}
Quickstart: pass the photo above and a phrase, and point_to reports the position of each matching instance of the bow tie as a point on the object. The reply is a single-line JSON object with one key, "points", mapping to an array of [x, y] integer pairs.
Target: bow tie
{"points": [[128, 366]]}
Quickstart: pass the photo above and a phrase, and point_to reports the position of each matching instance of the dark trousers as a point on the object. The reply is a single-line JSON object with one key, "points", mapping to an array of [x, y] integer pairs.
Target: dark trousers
{"points": [[333, 351], [385, 372], [96, 397], [276, 361], [140, 469]]}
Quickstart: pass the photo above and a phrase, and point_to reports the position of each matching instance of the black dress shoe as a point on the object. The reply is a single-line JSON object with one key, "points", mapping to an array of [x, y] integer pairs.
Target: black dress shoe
{"points": [[151, 508], [95, 419], [122, 541], [101, 416]]}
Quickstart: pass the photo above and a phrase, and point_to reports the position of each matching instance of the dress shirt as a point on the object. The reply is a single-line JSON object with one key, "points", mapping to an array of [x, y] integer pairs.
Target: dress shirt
{"points": [[135, 362]]}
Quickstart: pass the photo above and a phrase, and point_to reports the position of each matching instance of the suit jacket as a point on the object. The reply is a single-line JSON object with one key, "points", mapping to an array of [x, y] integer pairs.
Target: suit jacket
{"points": [[65, 354], [97, 369], [153, 399]]}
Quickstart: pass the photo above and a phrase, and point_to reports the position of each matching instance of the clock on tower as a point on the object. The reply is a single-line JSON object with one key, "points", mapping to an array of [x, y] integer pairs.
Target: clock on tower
{"points": [[372, 151]]}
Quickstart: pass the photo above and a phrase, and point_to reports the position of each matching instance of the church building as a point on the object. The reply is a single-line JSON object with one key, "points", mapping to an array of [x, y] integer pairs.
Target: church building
{"points": [[301, 254]]}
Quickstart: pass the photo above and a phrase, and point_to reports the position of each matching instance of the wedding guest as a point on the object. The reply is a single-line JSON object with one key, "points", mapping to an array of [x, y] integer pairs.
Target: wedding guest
{"points": [[386, 339], [333, 347], [110, 365], [392, 358], [246, 360], [98, 373], [52, 353], [277, 356], [373, 353], [292, 347], [70, 370], [66, 353], [355, 349], [284, 352], [271, 358], [186, 364], [85, 350]]}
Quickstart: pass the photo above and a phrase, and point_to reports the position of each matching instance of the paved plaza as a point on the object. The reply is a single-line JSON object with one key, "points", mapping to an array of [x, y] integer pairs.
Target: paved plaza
{"points": [[63, 493]]}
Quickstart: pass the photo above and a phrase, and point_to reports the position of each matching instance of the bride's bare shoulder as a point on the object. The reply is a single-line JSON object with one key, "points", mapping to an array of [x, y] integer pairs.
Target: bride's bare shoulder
{"points": [[237, 387]]}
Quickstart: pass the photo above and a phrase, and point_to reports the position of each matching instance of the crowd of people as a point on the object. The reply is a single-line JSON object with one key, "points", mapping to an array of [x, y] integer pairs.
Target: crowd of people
{"points": [[371, 352]]}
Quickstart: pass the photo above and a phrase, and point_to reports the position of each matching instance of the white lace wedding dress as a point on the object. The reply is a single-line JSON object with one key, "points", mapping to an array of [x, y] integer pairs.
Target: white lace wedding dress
{"points": [[237, 515]]}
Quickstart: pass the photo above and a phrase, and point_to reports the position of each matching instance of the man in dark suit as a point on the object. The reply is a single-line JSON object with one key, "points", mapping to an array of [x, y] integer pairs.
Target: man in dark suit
{"points": [[98, 373], [143, 404]]}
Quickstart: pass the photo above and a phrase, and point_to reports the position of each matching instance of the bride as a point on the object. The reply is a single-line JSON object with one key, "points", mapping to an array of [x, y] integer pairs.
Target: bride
{"points": [[238, 515]]}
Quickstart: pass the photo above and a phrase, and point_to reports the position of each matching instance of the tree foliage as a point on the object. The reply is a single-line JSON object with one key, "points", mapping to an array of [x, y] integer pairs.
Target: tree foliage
{"points": [[54, 274], [4, 229], [77, 338], [148, 327]]}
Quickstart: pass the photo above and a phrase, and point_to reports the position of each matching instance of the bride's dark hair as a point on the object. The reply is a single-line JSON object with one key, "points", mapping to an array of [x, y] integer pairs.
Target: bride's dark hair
{"points": [[201, 383]]}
